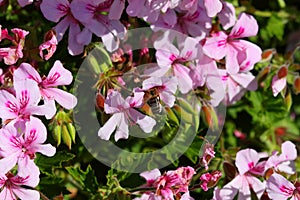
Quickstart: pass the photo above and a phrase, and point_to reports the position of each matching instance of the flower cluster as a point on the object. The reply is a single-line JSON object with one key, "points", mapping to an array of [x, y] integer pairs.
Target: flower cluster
{"points": [[252, 166], [189, 65], [170, 184], [199, 49], [23, 134], [11, 54]]}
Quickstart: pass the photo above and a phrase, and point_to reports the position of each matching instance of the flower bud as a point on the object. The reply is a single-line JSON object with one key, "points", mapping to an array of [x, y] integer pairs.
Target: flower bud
{"points": [[56, 134], [282, 72], [297, 85], [66, 136]]}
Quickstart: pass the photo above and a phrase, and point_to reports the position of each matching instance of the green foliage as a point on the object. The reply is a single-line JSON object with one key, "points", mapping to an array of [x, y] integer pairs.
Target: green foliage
{"points": [[48, 165], [86, 179]]}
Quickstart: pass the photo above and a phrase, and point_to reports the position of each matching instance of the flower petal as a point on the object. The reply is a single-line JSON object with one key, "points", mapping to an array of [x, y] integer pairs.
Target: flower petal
{"points": [[46, 149], [213, 7], [108, 128], [185, 83], [58, 75], [23, 193], [35, 132], [245, 26], [51, 11], [216, 46], [227, 15], [246, 159], [145, 122], [7, 163], [27, 93], [279, 188], [63, 98], [25, 71], [122, 131]]}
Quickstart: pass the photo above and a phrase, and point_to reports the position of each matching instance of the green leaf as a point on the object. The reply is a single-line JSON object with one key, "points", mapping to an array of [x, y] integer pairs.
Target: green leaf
{"points": [[275, 27], [281, 3], [193, 151], [86, 179], [48, 164], [52, 186]]}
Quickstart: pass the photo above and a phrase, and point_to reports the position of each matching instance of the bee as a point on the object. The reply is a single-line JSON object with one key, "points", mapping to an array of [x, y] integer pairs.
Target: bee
{"points": [[152, 99]]}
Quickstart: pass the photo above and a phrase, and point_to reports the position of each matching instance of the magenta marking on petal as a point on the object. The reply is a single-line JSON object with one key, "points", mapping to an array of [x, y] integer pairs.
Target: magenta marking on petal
{"points": [[251, 165], [19, 179], [239, 32], [102, 7], [221, 43], [16, 142], [188, 54], [24, 98], [286, 190], [2, 180], [224, 78], [90, 8], [173, 57], [53, 78], [247, 64], [12, 107], [63, 8], [31, 137], [194, 16]]}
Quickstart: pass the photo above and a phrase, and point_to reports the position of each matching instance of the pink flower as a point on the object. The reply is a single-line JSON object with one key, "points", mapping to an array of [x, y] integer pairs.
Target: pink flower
{"points": [[185, 175], [49, 45], [208, 154], [165, 86], [197, 24], [247, 164], [169, 57], [20, 148], [10, 55], [280, 188], [20, 107], [213, 7], [25, 2], [279, 80], [227, 15], [57, 76], [170, 184], [240, 55], [165, 183], [154, 10], [123, 112], [205, 74], [57, 9], [236, 84], [209, 180], [148, 196], [151, 176], [284, 161], [101, 18], [13, 186]]}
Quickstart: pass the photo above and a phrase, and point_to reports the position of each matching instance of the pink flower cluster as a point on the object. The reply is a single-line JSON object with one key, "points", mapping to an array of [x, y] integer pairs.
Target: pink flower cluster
{"points": [[11, 54], [96, 17], [23, 135], [169, 185], [252, 166]]}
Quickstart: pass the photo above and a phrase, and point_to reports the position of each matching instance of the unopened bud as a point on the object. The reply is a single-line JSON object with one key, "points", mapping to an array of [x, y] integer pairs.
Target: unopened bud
{"points": [[72, 131], [297, 85], [56, 134], [66, 136], [268, 54], [282, 72]]}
